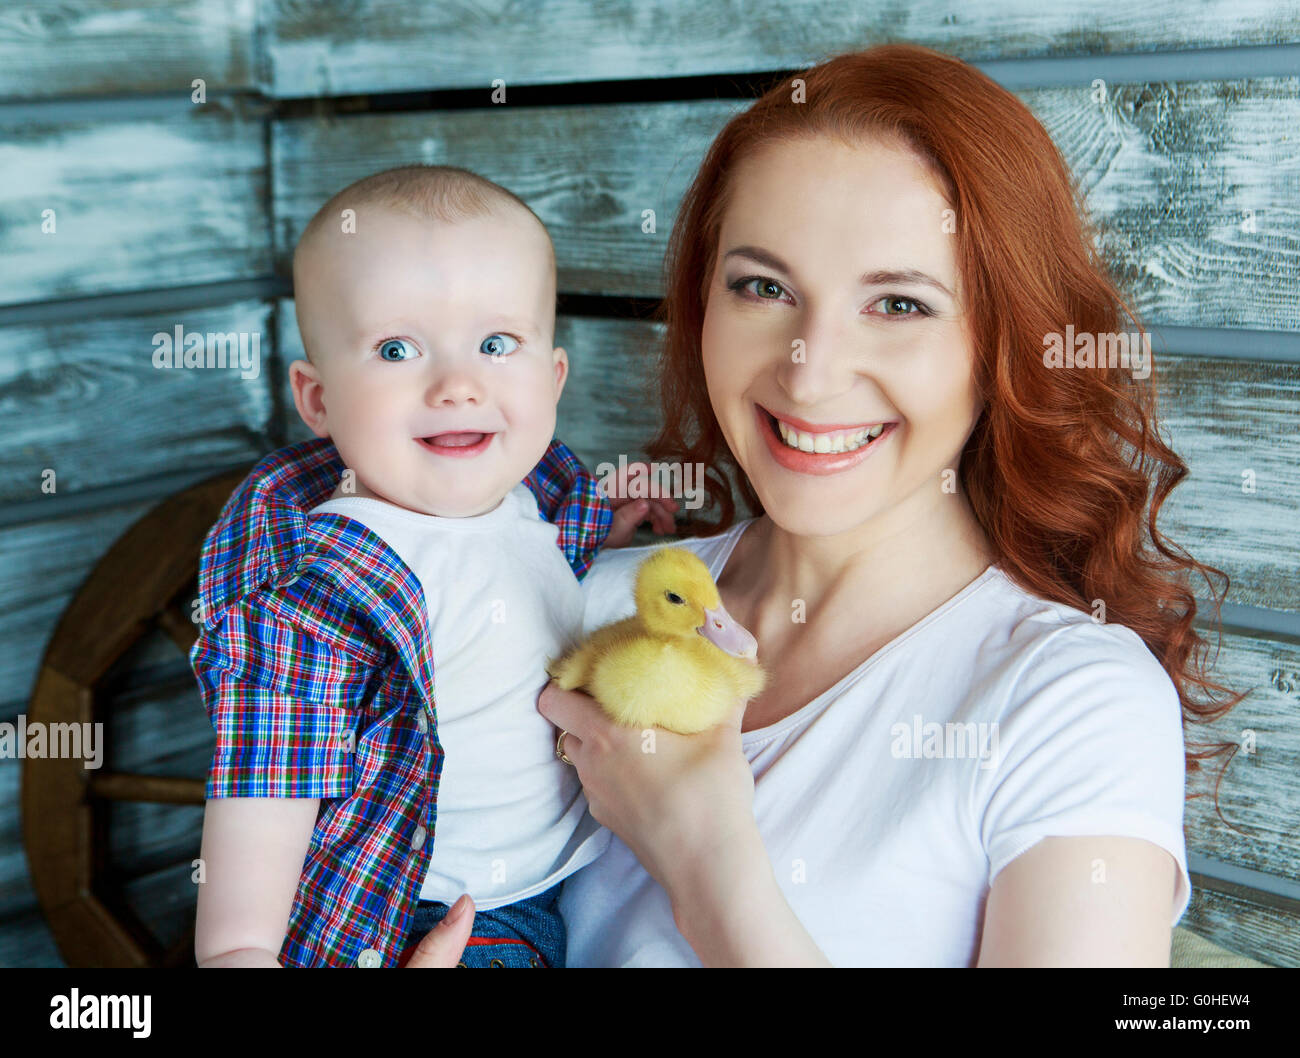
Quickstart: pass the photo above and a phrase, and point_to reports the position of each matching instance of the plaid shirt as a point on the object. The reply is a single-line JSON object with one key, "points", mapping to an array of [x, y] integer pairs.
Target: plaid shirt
{"points": [[316, 669]]}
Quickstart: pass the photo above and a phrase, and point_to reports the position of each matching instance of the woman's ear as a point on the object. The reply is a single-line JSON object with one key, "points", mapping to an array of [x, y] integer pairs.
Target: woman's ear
{"points": [[308, 395]]}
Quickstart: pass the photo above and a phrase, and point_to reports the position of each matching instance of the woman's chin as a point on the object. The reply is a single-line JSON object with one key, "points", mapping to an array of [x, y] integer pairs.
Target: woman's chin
{"points": [[795, 511]]}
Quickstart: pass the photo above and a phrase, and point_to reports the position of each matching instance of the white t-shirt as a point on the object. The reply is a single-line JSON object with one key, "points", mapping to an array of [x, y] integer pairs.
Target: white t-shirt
{"points": [[885, 834], [512, 818]]}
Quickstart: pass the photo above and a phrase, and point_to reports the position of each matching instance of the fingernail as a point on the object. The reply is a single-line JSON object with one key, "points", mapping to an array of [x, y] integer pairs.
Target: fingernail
{"points": [[457, 909]]}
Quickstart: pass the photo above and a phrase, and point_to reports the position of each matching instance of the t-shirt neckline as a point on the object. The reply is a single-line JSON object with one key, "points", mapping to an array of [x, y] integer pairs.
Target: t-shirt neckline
{"points": [[501, 514], [806, 712]]}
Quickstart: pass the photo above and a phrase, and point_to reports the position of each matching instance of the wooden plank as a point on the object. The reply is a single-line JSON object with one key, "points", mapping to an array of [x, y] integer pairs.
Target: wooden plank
{"points": [[1236, 424], [1169, 171], [1259, 793], [1245, 922], [71, 376], [26, 941], [137, 203], [1197, 189], [160, 730], [44, 564], [588, 172], [98, 47], [413, 46]]}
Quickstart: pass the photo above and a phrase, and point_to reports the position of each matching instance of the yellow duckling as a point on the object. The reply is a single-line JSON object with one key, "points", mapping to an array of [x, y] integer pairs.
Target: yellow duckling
{"points": [[681, 663]]}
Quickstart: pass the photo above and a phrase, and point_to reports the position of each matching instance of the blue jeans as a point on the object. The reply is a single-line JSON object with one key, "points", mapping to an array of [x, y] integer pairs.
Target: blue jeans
{"points": [[528, 933]]}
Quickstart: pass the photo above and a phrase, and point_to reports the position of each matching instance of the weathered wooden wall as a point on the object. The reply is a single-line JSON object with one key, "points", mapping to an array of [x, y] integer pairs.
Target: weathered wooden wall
{"points": [[170, 212]]}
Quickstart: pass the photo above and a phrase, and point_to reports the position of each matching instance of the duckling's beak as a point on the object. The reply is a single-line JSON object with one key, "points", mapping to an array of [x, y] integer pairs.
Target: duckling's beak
{"points": [[722, 630]]}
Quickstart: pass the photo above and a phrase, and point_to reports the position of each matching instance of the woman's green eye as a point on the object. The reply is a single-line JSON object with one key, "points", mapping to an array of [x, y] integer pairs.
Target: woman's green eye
{"points": [[397, 347], [498, 345], [767, 289], [891, 302]]}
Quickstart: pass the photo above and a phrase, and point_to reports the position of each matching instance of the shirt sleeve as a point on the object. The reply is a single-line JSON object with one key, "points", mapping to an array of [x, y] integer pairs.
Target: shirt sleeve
{"points": [[1091, 744], [284, 700], [568, 496]]}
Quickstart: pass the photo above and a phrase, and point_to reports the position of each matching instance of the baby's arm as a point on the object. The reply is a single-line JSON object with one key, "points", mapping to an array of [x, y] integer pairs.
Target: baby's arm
{"points": [[253, 852], [284, 701]]}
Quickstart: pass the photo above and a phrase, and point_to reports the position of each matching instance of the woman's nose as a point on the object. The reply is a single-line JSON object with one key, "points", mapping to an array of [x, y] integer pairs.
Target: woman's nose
{"points": [[820, 363]]}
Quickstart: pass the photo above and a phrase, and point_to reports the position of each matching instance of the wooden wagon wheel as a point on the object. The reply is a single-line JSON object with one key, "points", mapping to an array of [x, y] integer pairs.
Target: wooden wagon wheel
{"points": [[144, 581]]}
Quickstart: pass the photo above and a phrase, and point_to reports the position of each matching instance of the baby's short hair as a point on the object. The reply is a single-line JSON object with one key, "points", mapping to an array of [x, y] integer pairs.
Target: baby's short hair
{"points": [[445, 193], [433, 192]]}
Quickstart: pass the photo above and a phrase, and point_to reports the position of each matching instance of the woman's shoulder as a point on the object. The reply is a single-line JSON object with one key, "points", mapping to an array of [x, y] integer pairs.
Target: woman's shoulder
{"points": [[1062, 658], [1047, 627]]}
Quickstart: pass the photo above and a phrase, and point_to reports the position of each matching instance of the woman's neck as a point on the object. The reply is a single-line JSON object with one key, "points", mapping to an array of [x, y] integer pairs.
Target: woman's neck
{"points": [[878, 578]]}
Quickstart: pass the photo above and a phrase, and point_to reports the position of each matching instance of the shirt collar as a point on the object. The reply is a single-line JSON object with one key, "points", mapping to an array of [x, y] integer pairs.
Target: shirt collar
{"points": [[260, 534]]}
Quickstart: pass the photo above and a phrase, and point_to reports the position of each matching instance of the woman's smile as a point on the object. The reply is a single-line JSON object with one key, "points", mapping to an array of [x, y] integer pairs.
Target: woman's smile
{"points": [[795, 445]]}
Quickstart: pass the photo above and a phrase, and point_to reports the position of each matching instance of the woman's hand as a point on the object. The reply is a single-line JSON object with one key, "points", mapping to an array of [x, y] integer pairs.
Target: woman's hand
{"points": [[681, 803], [445, 943], [629, 512], [684, 805]]}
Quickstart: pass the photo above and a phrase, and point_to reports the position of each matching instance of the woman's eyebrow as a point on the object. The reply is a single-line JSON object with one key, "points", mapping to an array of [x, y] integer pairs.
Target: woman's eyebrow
{"points": [[761, 256], [880, 277], [903, 275]]}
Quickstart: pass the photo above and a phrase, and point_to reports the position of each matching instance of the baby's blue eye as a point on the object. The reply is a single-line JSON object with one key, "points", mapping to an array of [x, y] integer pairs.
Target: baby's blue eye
{"points": [[392, 350], [495, 345]]}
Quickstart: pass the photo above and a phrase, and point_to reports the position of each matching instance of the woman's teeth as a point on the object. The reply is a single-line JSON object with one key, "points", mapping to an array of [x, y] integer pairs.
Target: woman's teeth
{"points": [[838, 441]]}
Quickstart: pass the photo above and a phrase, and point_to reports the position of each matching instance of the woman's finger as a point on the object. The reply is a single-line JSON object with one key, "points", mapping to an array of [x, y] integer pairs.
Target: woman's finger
{"points": [[443, 945], [571, 711]]}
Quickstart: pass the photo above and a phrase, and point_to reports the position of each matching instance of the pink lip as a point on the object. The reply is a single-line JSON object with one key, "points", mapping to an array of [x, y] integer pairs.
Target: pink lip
{"points": [[457, 451], [812, 462], [819, 427]]}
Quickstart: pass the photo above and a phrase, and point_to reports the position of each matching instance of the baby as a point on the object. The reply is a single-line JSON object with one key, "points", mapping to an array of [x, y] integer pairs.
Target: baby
{"points": [[425, 298]]}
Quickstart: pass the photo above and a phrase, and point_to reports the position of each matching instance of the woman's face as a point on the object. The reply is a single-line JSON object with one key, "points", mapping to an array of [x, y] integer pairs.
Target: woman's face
{"points": [[836, 352]]}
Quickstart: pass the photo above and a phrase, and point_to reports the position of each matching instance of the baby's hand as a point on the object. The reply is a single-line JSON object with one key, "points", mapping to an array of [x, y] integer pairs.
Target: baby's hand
{"points": [[629, 512]]}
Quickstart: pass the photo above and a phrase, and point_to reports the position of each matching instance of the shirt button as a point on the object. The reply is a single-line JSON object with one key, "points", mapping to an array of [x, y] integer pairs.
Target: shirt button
{"points": [[298, 571], [422, 722], [417, 839], [368, 959]]}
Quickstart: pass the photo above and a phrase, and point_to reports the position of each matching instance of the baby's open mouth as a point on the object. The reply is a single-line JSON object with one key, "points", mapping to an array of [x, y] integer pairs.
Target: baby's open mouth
{"points": [[454, 440], [461, 443]]}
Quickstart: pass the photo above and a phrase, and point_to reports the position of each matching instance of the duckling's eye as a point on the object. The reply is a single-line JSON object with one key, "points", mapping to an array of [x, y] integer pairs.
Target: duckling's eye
{"points": [[674, 598]]}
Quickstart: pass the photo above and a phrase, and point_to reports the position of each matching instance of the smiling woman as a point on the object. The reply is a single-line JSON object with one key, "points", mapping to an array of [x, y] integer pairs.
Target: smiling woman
{"points": [[860, 281]]}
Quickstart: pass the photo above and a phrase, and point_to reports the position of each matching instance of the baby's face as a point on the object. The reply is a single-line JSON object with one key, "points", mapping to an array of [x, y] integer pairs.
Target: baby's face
{"points": [[433, 372]]}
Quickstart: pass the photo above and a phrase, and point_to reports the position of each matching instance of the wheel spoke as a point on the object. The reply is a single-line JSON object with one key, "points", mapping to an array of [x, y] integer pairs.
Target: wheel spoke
{"points": [[175, 621], [155, 789]]}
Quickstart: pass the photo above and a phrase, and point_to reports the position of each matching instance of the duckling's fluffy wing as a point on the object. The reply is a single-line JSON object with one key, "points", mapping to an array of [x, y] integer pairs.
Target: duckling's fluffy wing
{"points": [[663, 683], [573, 671]]}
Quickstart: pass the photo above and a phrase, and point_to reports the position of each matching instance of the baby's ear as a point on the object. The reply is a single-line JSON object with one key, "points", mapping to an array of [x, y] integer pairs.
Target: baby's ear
{"points": [[561, 361], [308, 394]]}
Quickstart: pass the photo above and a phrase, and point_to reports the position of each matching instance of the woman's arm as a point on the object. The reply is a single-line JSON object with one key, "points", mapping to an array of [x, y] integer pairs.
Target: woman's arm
{"points": [[732, 912], [712, 863], [1081, 901]]}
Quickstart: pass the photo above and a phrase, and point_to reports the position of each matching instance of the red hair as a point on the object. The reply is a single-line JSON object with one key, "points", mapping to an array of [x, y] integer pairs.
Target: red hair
{"points": [[1065, 469]]}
